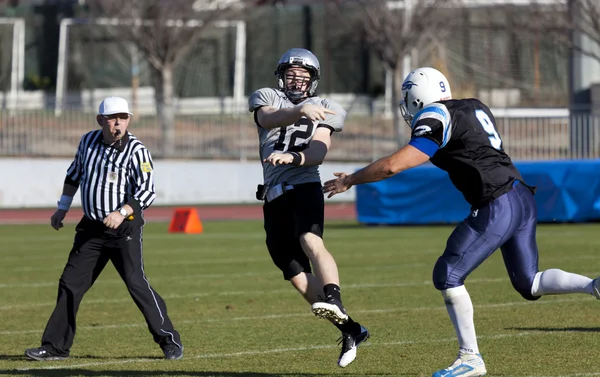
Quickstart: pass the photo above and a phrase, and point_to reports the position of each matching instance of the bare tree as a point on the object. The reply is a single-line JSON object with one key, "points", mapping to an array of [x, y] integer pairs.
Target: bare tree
{"points": [[164, 32], [393, 31], [566, 21], [572, 25]]}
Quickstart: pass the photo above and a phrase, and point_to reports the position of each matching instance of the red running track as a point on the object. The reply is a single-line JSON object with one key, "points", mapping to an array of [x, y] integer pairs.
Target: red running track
{"points": [[334, 211]]}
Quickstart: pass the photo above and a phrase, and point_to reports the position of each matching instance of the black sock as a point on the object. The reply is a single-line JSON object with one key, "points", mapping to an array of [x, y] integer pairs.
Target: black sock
{"points": [[349, 327], [332, 290]]}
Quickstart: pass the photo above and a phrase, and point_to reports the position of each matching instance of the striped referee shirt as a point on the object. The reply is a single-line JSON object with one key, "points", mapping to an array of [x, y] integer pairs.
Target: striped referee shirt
{"points": [[109, 177]]}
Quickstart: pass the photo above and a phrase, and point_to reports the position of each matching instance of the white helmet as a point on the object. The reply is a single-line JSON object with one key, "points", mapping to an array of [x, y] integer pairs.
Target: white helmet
{"points": [[420, 88]]}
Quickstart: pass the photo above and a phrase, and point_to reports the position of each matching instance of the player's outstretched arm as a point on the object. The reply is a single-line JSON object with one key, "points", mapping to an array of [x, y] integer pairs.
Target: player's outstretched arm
{"points": [[405, 158], [269, 117]]}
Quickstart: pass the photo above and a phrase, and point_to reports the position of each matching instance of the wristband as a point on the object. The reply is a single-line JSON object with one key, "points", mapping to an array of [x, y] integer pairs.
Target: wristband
{"points": [[65, 202], [297, 159]]}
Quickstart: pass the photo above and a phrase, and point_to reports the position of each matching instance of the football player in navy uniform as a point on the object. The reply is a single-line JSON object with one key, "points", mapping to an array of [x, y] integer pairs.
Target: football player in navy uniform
{"points": [[294, 127], [459, 136]]}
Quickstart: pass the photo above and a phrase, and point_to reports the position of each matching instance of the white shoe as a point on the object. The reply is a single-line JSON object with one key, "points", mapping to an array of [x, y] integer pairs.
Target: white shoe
{"points": [[466, 365], [349, 342], [596, 288]]}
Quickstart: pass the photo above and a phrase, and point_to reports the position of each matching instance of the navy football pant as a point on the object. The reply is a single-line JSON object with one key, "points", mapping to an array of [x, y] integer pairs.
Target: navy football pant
{"points": [[509, 223]]}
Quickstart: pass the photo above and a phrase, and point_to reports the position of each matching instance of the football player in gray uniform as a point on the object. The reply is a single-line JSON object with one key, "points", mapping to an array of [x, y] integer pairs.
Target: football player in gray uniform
{"points": [[294, 129]]}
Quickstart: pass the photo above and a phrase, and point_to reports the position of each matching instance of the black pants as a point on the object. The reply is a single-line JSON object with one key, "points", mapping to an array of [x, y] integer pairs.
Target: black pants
{"points": [[298, 211], [93, 247]]}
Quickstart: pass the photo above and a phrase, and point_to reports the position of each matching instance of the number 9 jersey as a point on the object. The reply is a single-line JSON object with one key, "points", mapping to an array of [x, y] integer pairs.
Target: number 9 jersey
{"points": [[293, 138], [460, 138]]}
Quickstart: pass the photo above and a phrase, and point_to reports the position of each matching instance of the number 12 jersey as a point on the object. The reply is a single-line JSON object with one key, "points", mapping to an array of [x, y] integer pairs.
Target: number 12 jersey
{"points": [[292, 138]]}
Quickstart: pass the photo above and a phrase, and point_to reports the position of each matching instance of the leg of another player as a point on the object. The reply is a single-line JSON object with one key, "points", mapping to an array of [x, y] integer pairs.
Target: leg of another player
{"points": [[471, 243], [557, 282], [321, 260], [326, 271], [449, 274], [520, 255], [332, 308], [308, 285]]}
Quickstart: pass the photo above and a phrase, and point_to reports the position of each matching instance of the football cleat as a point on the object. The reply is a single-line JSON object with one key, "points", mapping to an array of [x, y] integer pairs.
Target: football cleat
{"points": [[349, 342], [466, 365], [596, 288], [331, 309]]}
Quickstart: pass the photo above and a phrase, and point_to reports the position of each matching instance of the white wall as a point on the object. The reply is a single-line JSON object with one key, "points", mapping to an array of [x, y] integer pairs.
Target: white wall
{"points": [[30, 182]]}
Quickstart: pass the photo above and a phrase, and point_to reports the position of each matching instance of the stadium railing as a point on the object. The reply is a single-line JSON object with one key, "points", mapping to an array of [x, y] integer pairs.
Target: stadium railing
{"points": [[538, 135]]}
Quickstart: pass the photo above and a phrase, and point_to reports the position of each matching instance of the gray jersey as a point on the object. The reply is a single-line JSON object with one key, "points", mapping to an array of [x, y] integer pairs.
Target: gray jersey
{"points": [[294, 137]]}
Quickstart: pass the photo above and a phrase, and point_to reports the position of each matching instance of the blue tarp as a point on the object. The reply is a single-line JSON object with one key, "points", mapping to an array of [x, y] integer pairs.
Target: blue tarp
{"points": [[567, 191]]}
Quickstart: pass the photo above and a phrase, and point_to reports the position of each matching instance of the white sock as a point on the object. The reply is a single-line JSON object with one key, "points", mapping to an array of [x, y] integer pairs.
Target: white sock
{"points": [[460, 309], [557, 282]]}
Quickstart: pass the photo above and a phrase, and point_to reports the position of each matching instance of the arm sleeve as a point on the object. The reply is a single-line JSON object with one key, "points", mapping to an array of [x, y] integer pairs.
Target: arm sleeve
{"points": [[425, 145]]}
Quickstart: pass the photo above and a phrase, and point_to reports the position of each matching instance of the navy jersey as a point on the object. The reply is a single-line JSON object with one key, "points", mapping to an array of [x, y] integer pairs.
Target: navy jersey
{"points": [[461, 138]]}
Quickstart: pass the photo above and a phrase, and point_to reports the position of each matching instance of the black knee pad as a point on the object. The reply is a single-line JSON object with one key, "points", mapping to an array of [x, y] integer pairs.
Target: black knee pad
{"points": [[527, 295], [523, 286], [440, 275]]}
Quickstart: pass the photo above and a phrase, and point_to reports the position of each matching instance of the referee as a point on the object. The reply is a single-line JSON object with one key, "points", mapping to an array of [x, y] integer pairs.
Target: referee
{"points": [[115, 173]]}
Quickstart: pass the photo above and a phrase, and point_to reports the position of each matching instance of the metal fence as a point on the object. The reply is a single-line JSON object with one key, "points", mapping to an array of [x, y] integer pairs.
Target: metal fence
{"points": [[364, 138]]}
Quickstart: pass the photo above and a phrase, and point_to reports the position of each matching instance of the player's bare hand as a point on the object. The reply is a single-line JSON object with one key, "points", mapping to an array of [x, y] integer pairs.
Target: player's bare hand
{"points": [[57, 219], [113, 220], [279, 158], [338, 185], [315, 112]]}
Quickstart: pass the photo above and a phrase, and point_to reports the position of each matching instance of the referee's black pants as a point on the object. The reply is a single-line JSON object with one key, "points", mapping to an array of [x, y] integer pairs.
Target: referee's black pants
{"points": [[93, 247]]}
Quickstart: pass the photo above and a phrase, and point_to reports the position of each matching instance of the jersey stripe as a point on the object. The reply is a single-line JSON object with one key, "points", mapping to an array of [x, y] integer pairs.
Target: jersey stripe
{"points": [[109, 177], [439, 112]]}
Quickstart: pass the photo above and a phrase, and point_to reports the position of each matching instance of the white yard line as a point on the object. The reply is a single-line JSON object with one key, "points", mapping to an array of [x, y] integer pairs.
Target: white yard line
{"points": [[224, 293], [294, 349], [305, 314]]}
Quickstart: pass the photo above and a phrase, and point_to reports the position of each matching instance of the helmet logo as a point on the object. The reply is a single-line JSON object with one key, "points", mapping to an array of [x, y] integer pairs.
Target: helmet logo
{"points": [[297, 60], [407, 85]]}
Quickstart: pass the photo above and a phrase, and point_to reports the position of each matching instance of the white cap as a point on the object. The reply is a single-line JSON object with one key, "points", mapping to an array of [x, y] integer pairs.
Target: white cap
{"points": [[113, 105]]}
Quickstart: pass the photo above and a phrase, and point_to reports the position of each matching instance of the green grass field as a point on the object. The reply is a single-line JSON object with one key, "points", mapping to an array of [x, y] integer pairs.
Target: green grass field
{"points": [[237, 317]]}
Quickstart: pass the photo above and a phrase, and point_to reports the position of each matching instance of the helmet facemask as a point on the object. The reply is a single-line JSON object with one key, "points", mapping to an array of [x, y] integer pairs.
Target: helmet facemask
{"points": [[298, 82], [298, 90], [404, 110], [417, 105]]}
